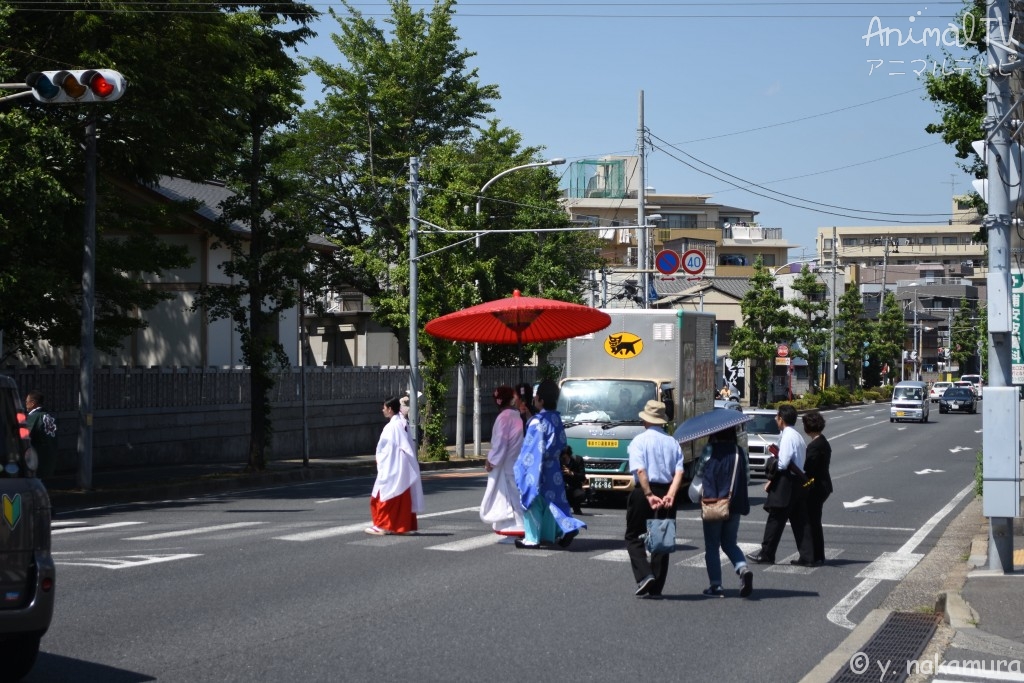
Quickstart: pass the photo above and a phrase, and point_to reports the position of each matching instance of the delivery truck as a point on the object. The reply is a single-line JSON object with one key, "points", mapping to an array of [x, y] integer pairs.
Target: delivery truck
{"points": [[667, 355]]}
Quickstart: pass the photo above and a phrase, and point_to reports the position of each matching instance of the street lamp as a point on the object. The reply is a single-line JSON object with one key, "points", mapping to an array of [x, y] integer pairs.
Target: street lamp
{"points": [[460, 442]]}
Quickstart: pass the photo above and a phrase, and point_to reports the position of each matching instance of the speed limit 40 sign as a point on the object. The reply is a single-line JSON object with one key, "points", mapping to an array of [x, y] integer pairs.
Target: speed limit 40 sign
{"points": [[694, 262]]}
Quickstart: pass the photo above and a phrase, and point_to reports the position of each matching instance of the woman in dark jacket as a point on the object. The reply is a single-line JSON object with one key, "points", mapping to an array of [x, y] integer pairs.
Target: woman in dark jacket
{"points": [[819, 457], [726, 470]]}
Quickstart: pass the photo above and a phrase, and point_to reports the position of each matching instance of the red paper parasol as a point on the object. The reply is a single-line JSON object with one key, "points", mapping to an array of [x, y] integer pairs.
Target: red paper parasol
{"points": [[519, 320]]}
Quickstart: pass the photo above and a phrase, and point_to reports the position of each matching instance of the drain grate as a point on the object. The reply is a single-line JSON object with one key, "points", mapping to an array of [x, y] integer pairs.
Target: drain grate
{"points": [[889, 655]]}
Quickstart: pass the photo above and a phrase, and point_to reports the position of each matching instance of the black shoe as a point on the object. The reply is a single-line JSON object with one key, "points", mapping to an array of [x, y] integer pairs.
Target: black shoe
{"points": [[520, 543], [758, 558], [644, 586], [715, 591], [577, 510], [801, 563], [566, 539], [746, 583]]}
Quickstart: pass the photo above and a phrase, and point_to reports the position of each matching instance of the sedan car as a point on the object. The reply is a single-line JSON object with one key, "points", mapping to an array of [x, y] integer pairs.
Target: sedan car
{"points": [[937, 390], [959, 399]]}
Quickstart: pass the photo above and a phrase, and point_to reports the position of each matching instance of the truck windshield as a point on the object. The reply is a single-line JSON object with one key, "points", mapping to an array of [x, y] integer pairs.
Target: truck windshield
{"points": [[604, 400], [907, 393]]}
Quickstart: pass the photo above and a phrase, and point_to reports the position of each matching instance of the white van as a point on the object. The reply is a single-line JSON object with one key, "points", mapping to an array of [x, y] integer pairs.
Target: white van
{"points": [[909, 402]]}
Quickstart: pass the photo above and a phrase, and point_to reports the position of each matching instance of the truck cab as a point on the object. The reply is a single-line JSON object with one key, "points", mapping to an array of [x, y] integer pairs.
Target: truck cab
{"points": [[601, 416]]}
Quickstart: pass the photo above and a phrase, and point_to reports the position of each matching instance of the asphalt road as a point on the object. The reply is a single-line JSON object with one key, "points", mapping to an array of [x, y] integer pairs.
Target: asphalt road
{"points": [[281, 584]]}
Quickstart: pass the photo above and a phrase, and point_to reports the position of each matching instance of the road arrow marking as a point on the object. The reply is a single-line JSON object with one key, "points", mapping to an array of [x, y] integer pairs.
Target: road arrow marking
{"points": [[858, 446], [927, 471], [866, 500], [958, 449]]}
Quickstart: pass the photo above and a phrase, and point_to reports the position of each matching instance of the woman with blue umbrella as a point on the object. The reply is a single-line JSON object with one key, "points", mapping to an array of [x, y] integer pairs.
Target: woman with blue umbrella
{"points": [[725, 468]]}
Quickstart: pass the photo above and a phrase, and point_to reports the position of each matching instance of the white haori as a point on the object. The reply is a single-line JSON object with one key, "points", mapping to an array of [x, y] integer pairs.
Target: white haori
{"points": [[397, 467]]}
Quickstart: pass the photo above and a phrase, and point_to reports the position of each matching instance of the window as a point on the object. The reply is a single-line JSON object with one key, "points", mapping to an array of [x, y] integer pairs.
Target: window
{"points": [[678, 220], [826, 245], [951, 240], [725, 328]]}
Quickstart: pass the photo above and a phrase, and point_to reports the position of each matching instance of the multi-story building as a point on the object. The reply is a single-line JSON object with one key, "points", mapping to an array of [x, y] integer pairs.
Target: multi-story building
{"points": [[929, 268]]}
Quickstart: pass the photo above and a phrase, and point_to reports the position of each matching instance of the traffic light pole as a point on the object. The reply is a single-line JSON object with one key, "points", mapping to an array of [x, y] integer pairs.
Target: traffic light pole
{"points": [[1001, 412], [86, 349]]}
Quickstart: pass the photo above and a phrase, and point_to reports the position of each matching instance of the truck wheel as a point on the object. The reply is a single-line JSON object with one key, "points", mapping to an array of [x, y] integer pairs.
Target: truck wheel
{"points": [[18, 654], [892, 419]]}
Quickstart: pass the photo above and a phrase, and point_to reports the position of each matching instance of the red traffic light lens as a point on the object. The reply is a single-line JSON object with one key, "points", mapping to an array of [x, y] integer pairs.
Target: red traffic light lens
{"points": [[98, 84]]}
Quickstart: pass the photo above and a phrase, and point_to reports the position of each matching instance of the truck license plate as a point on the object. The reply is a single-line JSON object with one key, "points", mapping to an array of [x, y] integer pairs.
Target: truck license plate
{"points": [[900, 413], [600, 483], [602, 443]]}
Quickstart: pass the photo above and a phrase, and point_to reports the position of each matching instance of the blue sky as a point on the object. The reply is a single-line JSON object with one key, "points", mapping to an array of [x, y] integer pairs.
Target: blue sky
{"points": [[852, 111]]}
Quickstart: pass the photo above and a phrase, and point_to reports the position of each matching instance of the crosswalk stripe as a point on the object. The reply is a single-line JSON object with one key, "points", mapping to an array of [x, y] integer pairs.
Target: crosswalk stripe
{"points": [[698, 559], [98, 527], [193, 532], [784, 567], [468, 543], [330, 532], [124, 562]]}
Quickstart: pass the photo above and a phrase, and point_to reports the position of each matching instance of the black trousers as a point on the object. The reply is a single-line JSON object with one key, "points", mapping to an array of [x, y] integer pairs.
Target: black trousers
{"points": [[815, 503], [796, 514], [637, 514]]}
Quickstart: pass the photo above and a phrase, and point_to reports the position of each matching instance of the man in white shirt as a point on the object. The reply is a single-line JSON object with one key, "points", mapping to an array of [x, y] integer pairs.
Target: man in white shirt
{"points": [[656, 462]]}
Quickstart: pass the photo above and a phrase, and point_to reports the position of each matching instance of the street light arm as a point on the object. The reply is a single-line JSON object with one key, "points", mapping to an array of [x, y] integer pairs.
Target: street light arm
{"points": [[537, 164]]}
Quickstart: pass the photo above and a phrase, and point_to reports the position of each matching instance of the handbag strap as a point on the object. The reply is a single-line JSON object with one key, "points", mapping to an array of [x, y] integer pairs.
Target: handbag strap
{"points": [[735, 467]]}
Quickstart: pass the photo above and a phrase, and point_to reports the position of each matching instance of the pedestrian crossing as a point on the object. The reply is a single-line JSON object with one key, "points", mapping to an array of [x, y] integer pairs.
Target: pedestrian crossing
{"points": [[460, 537]]}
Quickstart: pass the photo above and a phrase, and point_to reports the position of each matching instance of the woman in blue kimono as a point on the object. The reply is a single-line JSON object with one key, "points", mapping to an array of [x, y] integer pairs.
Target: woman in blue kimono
{"points": [[547, 517]]}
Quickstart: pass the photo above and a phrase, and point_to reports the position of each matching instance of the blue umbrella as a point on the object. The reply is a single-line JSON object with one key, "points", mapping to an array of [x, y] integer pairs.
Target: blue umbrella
{"points": [[708, 423]]}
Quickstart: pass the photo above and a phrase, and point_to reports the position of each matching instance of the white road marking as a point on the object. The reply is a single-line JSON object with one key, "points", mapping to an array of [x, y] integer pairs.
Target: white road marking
{"points": [[98, 527], [330, 532], [838, 614], [613, 556], [468, 543], [928, 471], [995, 674], [864, 500], [784, 567], [329, 500], [194, 532], [890, 566], [57, 524], [124, 562], [698, 559]]}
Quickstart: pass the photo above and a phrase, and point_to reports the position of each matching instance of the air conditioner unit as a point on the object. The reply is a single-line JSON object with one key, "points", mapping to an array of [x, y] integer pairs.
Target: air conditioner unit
{"points": [[631, 256]]}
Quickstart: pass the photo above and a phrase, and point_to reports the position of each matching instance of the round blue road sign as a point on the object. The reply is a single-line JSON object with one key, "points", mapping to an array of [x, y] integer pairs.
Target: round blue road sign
{"points": [[667, 262]]}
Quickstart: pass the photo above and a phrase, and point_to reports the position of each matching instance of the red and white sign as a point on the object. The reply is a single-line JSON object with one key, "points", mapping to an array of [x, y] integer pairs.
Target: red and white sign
{"points": [[782, 351], [694, 262]]}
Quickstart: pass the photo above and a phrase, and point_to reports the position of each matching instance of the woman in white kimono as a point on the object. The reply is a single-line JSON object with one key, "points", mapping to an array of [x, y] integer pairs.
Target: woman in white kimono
{"points": [[397, 494], [500, 506]]}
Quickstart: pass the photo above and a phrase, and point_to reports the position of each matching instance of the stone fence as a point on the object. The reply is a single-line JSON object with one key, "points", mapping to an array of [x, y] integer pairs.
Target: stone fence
{"points": [[165, 416]]}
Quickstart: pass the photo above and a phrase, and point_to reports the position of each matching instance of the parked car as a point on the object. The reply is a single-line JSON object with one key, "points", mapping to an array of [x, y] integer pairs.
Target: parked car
{"points": [[27, 573], [976, 381], [729, 404], [937, 390], [762, 433], [959, 399]]}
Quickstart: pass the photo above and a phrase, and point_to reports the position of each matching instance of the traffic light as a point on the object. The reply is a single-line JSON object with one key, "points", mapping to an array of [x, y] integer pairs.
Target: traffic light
{"points": [[76, 87]]}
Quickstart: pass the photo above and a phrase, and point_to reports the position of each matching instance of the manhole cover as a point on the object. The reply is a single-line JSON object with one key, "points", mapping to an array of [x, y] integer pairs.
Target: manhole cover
{"points": [[891, 654]]}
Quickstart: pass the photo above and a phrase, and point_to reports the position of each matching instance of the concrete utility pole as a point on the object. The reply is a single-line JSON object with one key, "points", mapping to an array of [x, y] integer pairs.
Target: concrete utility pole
{"points": [[832, 313], [414, 277], [643, 258], [1000, 409]]}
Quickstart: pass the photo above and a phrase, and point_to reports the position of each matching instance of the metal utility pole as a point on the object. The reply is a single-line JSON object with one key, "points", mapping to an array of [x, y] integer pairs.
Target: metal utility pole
{"points": [[832, 337], [87, 348], [1000, 414], [641, 222], [414, 276]]}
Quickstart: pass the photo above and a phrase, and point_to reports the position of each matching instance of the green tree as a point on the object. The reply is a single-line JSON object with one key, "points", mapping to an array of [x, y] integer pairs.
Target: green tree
{"points": [[964, 337], [269, 257], [159, 127], [400, 93], [811, 325], [853, 333], [959, 94], [890, 333], [766, 324]]}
